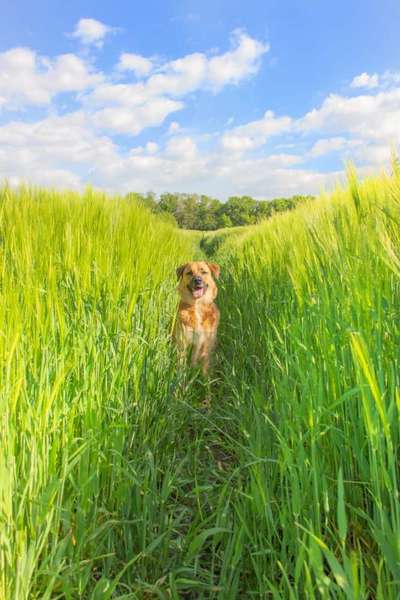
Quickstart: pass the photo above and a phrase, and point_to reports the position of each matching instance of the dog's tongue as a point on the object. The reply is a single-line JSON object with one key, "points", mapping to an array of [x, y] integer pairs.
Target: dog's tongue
{"points": [[198, 293]]}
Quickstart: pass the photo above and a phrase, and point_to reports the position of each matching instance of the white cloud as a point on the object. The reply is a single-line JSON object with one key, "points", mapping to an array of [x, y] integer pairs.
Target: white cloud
{"points": [[255, 133], [116, 94], [132, 120], [28, 79], [363, 127], [91, 32], [173, 81], [179, 77], [185, 75], [386, 80], [55, 145], [151, 147], [65, 151], [372, 117], [267, 179], [365, 81], [73, 149], [180, 167], [174, 127], [390, 78], [347, 149], [197, 71], [374, 155], [219, 175], [181, 147], [325, 146], [237, 64], [140, 65], [46, 177]]}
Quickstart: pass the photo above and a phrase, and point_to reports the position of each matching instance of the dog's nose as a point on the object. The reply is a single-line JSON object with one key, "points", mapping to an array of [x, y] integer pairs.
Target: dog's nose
{"points": [[197, 280]]}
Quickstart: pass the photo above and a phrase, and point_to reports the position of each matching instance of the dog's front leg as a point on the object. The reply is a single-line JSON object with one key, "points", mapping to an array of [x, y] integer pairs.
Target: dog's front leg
{"points": [[206, 352], [204, 356], [205, 362], [182, 339], [195, 358], [198, 348]]}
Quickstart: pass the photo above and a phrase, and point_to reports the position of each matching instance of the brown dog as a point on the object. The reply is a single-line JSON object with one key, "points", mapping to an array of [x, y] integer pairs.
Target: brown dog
{"points": [[197, 320]]}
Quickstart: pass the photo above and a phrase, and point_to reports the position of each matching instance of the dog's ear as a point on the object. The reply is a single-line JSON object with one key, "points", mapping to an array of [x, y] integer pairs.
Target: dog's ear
{"points": [[179, 271], [215, 270]]}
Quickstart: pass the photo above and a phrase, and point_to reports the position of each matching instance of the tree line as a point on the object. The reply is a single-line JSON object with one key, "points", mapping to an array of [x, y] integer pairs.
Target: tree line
{"points": [[197, 211]]}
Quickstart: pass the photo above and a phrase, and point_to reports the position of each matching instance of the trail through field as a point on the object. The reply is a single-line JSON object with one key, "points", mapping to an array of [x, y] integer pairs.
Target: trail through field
{"points": [[117, 481]]}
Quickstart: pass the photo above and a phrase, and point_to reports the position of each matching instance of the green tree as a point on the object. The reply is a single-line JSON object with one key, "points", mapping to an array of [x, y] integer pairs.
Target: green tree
{"points": [[194, 211], [240, 210], [207, 213], [263, 210], [224, 221], [188, 211], [168, 203]]}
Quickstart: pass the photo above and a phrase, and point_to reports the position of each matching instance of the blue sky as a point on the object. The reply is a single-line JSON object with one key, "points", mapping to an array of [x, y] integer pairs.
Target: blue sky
{"points": [[265, 98]]}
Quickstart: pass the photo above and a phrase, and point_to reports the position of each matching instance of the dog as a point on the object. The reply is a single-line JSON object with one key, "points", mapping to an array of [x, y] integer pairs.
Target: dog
{"points": [[198, 317]]}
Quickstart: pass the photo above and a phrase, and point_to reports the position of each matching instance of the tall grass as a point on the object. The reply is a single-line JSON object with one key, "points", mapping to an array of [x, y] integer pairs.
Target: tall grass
{"points": [[117, 483], [311, 360], [86, 389]]}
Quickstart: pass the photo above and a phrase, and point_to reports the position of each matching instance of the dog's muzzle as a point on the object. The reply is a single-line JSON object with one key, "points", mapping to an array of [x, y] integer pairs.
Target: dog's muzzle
{"points": [[197, 287]]}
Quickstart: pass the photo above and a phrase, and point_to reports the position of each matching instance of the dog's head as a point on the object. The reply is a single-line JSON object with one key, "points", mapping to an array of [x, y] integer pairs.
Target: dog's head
{"points": [[196, 281]]}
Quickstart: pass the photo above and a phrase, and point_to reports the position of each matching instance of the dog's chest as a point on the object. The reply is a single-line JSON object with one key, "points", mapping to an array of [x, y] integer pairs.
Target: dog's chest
{"points": [[197, 321], [197, 317]]}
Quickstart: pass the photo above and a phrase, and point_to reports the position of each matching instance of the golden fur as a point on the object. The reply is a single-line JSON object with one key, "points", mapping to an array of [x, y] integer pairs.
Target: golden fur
{"points": [[198, 317]]}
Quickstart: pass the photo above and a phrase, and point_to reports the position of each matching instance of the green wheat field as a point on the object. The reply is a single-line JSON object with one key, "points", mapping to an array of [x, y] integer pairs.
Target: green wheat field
{"points": [[116, 482]]}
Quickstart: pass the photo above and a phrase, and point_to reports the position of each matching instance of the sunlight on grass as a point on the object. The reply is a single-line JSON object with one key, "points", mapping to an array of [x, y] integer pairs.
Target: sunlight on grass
{"points": [[116, 483]]}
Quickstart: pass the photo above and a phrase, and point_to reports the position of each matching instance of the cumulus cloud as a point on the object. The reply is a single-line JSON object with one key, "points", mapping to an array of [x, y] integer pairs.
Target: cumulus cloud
{"points": [[69, 149], [140, 65], [77, 147], [151, 147], [238, 64], [115, 94], [364, 127], [195, 71], [327, 145], [91, 32], [54, 140], [179, 77], [386, 80], [255, 133], [373, 155], [365, 81], [132, 120], [181, 167], [29, 79], [130, 107], [181, 147], [173, 127], [373, 117], [66, 151], [185, 75]]}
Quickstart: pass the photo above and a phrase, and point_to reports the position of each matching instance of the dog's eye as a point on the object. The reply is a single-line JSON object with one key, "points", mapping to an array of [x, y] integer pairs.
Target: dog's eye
{"points": [[204, 272], [189, 273]]}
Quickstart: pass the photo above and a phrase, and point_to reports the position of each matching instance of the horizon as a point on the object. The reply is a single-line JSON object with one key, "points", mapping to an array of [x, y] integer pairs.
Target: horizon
{"points": [[266, 101]]}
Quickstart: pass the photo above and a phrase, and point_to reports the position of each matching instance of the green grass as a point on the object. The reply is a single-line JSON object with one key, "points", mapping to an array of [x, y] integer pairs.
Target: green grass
{"points": [[117, 483]]}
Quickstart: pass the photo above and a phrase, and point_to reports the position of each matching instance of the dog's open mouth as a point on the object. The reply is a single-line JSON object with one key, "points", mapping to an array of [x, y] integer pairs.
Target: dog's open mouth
{"points": [[198, 291]]}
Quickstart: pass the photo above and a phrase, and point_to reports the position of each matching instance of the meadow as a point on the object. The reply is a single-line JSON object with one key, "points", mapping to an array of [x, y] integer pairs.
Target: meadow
{"points": [[116, 481]]}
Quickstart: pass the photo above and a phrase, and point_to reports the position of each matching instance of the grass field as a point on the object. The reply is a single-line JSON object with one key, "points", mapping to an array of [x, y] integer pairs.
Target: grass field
{"points": [[117, 483]]}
